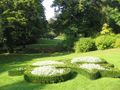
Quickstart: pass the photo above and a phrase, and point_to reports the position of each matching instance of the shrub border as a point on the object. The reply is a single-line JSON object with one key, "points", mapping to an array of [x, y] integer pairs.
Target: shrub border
{"points": [[48, 79]]}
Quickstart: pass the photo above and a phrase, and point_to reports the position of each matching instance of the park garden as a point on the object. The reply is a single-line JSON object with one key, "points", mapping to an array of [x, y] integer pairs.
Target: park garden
{"points": [[77, 49]]}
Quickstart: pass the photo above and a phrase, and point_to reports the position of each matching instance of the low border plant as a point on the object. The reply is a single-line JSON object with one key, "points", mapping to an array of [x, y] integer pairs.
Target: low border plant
{"points": [[55, 78]]}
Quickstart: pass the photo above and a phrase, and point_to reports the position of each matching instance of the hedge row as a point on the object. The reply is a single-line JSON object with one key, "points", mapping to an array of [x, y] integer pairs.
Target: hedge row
{"points": [[101, 42], [95, 74], [114, 73], [48, 79]]}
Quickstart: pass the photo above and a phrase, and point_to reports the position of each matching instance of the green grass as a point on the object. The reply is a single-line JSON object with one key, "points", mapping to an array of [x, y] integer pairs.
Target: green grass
{"points": [[41, 45], [45, 43], [48, 41], [80, 82]]}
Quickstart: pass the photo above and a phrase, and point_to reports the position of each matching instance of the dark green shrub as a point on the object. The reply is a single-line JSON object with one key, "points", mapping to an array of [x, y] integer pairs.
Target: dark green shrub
{"points": [[16, 72], [48, 79], [84, 45], [105, 42]]}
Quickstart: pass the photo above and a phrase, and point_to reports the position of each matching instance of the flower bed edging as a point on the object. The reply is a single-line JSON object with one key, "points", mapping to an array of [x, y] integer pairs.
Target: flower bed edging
{"points": [[54, 78]]}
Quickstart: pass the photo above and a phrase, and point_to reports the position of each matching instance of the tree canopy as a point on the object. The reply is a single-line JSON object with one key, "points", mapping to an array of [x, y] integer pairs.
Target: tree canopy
{"points": [[21, 22], [88, 16]]}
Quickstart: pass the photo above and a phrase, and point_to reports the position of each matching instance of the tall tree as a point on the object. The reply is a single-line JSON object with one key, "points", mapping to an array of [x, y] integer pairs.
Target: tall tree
{"points": [[114, 15], [22, 21], [87, 15], [81, 14]]}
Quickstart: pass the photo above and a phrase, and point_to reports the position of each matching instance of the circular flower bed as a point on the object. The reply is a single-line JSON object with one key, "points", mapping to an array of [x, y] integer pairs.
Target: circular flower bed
{"points": [[92, 67], [47, 71], [47, 74], [43, 63], [87, 59]]}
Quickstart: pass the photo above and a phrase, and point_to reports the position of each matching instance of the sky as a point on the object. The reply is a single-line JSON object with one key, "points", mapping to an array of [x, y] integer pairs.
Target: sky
{"points": [[49, 12]]}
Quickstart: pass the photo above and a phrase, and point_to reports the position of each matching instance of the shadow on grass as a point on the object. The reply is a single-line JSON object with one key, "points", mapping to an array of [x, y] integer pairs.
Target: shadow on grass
{"points": [[74, 74], [10, 61], [23, 85], [10, 58]]}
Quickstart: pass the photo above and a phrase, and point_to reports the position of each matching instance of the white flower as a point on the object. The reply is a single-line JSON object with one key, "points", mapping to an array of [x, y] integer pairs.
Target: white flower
{"points": [[92, 66], [87, 59], [43, 63], [47, 71]]}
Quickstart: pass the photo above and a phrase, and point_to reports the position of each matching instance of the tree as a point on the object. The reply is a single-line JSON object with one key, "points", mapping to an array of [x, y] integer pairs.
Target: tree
{"points": [[82, 13], [22, 21], [87, 15], [114, 15]]}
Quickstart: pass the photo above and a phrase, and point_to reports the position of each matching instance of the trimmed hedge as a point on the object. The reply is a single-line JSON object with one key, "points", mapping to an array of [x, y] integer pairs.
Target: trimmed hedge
{"points": [[102, 62], [84, 45], [107, 65], [113, 72], [16, 72], [95, 74], [91, 74], [105, 42], [48, 79]]}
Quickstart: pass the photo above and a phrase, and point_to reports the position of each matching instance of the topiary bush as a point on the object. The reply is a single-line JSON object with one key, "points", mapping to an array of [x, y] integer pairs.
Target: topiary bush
{"points": [[84, 45], [105, 42], [46, 79]]}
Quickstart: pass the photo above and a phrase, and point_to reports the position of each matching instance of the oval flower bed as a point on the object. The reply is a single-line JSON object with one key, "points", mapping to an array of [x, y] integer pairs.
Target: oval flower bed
{"points": [[87, 59], [47, 74], [49, 62]]}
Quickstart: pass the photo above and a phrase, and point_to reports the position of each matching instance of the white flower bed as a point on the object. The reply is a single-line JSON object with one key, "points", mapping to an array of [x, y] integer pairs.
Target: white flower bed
{"points": [[43, 63], [92, 66], [47, 71], [87, 59]]}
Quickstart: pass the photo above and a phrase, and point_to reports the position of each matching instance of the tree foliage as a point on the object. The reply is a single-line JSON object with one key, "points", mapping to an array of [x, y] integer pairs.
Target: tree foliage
{"points": [[87, 15], [22, 21]]}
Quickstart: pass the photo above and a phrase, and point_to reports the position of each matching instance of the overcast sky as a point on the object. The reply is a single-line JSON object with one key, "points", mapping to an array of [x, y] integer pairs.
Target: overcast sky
{"points": [[49, 12]]}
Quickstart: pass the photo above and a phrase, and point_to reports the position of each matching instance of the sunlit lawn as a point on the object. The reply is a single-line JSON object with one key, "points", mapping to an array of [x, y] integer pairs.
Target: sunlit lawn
{"points": [[80, 82]]}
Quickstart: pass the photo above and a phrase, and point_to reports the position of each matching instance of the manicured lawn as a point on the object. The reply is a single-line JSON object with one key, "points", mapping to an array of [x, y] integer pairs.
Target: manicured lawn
{"points": [[45, 43], [80, 82]]}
